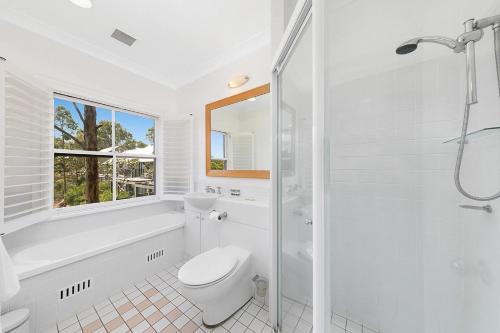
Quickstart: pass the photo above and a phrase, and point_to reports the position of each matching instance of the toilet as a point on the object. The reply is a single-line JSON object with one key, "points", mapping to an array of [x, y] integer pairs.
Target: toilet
{"points": [[219, 280], [16, 321]]}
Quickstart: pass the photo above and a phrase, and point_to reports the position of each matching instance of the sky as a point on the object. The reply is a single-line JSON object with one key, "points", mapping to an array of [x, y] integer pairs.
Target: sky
{"points": [[217, 144], [137, 125]]}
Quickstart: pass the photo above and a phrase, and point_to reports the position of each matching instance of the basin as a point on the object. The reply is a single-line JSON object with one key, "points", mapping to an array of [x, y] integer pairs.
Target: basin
{"points": [[201, 201]]}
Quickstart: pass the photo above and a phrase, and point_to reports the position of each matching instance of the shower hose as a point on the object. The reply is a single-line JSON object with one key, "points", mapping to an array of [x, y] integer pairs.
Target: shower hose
{"points": [[463, 134], [458, 163]]}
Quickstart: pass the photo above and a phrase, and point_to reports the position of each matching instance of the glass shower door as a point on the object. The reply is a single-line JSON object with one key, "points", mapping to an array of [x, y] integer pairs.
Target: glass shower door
{"points": [[407, 252], [295, 256]]}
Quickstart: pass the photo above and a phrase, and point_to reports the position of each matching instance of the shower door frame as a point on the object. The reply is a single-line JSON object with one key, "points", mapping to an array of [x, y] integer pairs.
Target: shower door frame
{"points": [[304, 11]]}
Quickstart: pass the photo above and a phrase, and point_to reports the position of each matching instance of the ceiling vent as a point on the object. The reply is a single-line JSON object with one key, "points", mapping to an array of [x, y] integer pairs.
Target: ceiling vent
{"points": [[123, 37]]}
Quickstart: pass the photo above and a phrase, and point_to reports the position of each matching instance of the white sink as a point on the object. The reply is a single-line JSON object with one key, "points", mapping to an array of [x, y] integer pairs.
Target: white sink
{"points": [[201, 201]]}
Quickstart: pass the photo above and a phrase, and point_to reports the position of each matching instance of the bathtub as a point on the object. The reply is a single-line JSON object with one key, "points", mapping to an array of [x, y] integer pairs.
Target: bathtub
{"points": [[33, 259]]}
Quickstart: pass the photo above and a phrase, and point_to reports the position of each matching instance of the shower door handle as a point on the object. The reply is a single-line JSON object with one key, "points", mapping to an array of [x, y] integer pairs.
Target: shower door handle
{"points": [[308, 221]]}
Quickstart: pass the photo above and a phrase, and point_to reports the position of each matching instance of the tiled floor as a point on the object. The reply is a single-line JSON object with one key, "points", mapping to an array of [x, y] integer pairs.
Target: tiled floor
{"points": [[297, 317], [341, 324], [156, 305]]}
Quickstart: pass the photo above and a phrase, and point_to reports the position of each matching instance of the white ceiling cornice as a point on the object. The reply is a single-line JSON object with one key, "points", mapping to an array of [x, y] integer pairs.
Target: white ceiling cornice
{"points": [[236, 52], [35, 26], [198, 70]]}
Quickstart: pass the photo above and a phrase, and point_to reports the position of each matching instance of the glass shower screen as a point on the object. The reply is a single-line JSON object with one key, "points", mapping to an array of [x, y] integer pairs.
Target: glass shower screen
{"points": [[295, 256]]}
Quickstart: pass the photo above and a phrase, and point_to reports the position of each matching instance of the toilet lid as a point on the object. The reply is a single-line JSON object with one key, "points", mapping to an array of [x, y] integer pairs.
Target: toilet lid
{"points": [[207, 267], [14, 319]]}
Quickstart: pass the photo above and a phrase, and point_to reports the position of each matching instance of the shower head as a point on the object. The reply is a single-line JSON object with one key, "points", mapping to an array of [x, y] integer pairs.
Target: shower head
{"points": [[408, 47], [411, 45]]}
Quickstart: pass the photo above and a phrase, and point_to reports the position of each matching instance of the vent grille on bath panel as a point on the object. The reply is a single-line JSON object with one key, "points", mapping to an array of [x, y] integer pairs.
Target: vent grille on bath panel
{"points": [[75, 289], [123, 37], [155, 255]]}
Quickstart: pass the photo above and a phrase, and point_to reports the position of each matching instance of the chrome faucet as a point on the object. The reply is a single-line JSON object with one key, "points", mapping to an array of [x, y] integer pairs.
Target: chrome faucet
{"points": [[209, 189]]}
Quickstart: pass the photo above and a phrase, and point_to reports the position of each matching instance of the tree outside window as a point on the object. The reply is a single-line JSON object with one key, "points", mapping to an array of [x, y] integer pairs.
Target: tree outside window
{"points": [[85, 154]]}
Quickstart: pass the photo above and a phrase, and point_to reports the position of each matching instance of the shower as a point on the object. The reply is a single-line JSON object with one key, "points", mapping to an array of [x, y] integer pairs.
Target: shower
{"points": [[465, 43]]}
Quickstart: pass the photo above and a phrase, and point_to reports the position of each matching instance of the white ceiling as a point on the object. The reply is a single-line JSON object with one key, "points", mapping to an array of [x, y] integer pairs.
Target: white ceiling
{"points": [[178, 41]]}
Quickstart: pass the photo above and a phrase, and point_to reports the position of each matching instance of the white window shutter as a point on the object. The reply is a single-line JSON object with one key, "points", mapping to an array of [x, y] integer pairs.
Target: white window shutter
{"points": [[26, 145], [177, 156], [242, 151]]}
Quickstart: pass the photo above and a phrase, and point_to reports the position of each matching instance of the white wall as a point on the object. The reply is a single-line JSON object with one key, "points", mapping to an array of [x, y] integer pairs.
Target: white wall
{"points": [[248, 225], [70, 71], [67, 70], [405, 257], [192, 99]]}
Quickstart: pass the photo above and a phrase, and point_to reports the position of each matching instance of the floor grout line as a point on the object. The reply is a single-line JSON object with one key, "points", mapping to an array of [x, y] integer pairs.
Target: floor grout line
{"points": [[168, 280]]}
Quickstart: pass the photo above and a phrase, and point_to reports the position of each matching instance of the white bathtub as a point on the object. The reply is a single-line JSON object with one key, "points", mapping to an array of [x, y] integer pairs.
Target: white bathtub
{"points": [[36, 258]]}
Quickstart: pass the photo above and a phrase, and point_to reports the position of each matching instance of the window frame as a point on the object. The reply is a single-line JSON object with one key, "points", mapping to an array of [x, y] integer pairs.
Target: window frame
{"points": [[114, 155]]}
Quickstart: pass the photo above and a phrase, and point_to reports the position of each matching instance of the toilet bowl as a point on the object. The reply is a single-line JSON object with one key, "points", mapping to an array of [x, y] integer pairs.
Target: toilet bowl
{"points": [[16, 321], [219, 280]]}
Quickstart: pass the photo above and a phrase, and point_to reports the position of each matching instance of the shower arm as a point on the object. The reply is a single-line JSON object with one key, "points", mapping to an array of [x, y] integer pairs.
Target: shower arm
{"points": [[486, 22], [494, 22], [448, 42]]}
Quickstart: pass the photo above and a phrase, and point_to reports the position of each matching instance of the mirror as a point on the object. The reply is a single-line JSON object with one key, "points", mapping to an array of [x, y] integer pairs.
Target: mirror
{"points": [[238, 135]]}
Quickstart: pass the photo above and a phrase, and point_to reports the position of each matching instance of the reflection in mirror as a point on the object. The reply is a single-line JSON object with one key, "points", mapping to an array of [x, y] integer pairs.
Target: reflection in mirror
{"points": [[288, 138], [219, 150], [240, 135]]}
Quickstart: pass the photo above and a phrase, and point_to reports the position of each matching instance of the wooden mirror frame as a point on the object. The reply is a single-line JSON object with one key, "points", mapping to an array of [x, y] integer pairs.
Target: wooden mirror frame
{"points": [[261, 174]]}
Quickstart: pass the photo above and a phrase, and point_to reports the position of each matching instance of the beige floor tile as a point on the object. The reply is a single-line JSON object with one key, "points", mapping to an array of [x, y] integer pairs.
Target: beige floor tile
{"points": [[174, 314], [92, 327], [169, 329], [190, 327], [154, 318], [161, 302], [125, 307], [167, 308], [151, 292], [143, 305], [114, 324], [135, 320], [123, 328]]}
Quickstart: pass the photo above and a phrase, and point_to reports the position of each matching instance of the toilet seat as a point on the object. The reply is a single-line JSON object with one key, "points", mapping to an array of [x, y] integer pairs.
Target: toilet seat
{"points": [[208, 268], [12, 320]]}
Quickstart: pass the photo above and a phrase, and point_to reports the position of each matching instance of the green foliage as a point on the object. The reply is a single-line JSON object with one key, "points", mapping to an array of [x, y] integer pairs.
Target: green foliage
{"points": [[124, 139], [69, 171], [123, 195], [64, 121], [75, 195], [217, 165], [105, 191], [150, 135]]}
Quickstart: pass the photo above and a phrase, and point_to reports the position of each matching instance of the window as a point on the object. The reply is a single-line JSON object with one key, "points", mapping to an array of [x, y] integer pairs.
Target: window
{"points": [[218, 150], [101, 153]]}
